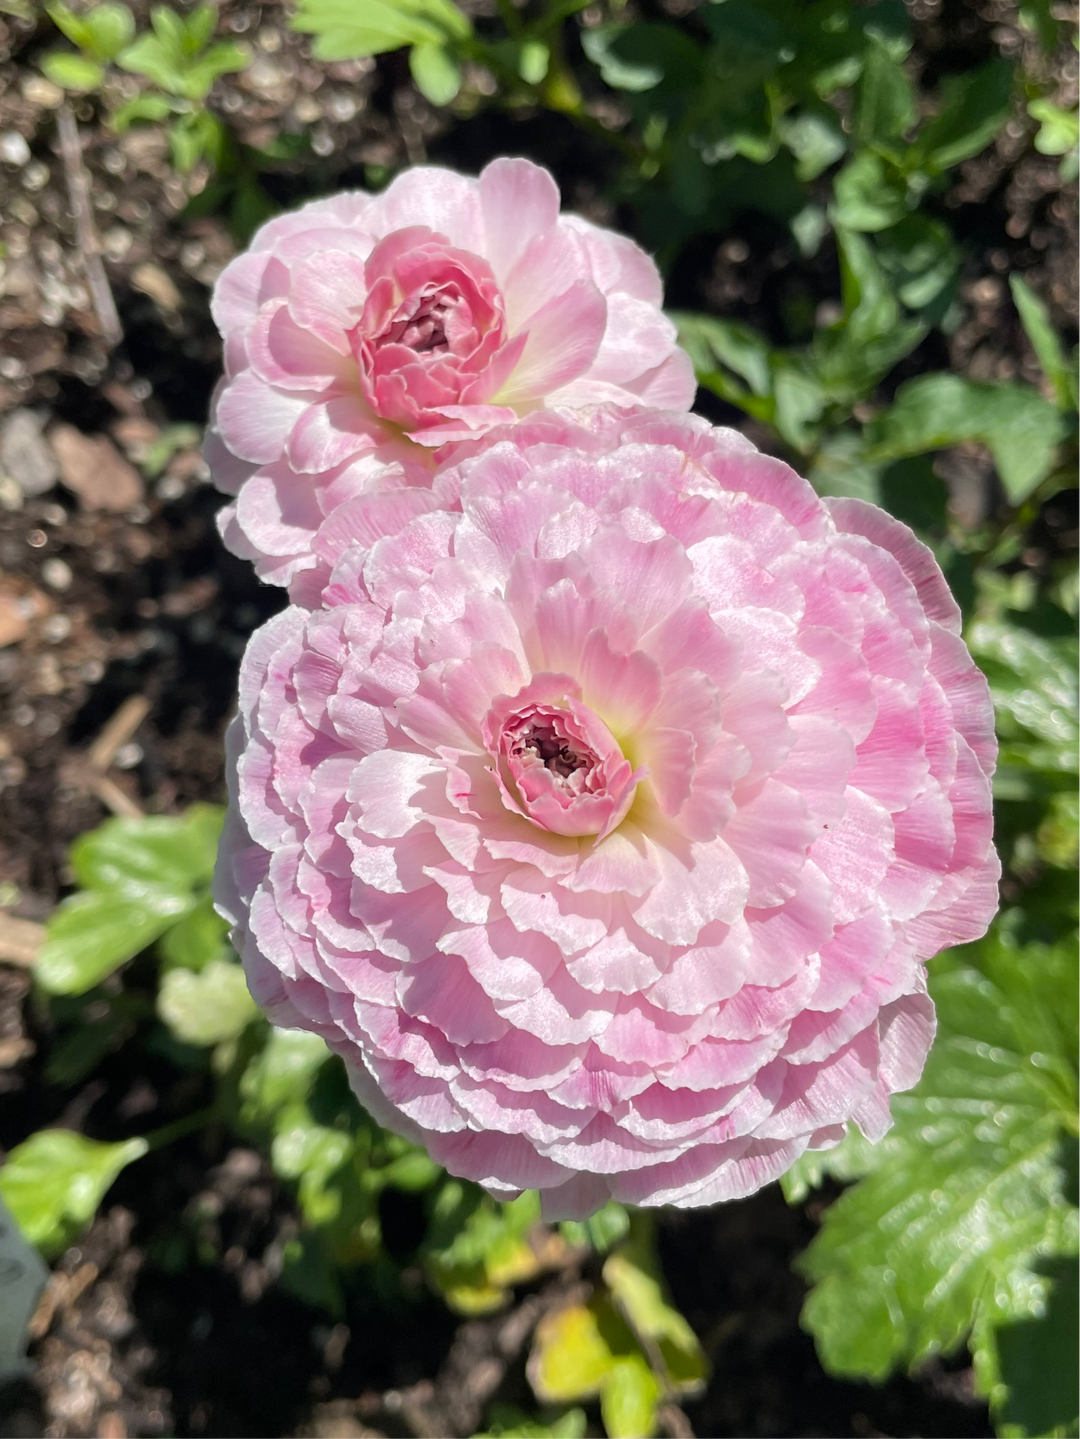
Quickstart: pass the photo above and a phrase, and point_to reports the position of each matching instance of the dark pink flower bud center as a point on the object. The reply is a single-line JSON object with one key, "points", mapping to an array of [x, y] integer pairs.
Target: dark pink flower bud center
{"points": [[421, 323], [560, 766]]}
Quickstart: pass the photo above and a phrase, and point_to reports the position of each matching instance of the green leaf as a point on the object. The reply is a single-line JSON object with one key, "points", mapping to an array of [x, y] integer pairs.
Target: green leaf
{"points": [[919, 259], [967, 1189], [800, 401], [69, 24], [1059, 130], [1021, 429], [710, 341], [171, 31], [600, 45], [628, 1399], [149, 57], [851, 1159], [570, 1356], [507, 1422], [200, 27], [207, 1007], [152, 108], [92, 934], [1033, 682], [867, 196], [1049, 351], [347, 29], [816, 140], [437, 76], [111, 27], [885, 101], [1036, 1362], [633, 1278], [604, 1229], [223, 59], [137, 857], [281, 1074], [72, 72], [196, 940], [973, 109], [55, 1180], [841, 468]]}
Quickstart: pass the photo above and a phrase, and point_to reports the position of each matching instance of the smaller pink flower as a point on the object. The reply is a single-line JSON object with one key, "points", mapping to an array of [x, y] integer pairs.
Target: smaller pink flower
{"points": [[381, 327]]}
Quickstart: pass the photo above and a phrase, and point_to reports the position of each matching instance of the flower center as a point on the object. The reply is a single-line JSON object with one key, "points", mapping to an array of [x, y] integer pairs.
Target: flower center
{"points": [[556, 753], [559, 765], [425, 329]]}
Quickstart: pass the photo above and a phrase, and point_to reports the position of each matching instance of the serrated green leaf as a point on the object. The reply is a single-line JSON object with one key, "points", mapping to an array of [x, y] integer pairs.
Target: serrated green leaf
{"points": [[93, 933], [851, 1159], [207, 1007], [709, 341], [72, 72], [629, 1394], [54, 1181], [967, 1188], [1021, 429], [1033, 682], [436, 75]]}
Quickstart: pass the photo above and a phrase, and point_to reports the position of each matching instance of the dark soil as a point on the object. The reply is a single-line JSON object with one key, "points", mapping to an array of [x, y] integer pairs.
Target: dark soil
{"points": [[100, 603]]}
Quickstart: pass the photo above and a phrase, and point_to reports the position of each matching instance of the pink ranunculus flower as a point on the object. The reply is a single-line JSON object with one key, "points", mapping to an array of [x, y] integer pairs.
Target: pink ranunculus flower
{"points": [[604, 826], [432, 311]]}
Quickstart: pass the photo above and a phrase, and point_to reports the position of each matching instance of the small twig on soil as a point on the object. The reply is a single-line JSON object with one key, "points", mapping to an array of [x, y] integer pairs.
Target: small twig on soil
{"points": [[20, 940], [61, 1292], [79, 194], [91, 771], [117, 732]]}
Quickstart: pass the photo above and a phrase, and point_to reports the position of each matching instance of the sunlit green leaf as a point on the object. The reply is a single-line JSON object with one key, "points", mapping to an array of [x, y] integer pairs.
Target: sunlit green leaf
{"points": [[196, 940], [1045, 341], [206, 1007], [72, 72], [111, 27], [629, 1394], [885, 100], [967, 1189], [437, 76], [867, 196], [54, 1181], [1059, 130], [93, 933], [346, 29], [1021, 429]]}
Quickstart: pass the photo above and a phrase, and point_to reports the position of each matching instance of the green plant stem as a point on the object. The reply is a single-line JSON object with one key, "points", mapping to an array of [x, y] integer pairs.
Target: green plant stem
{"points": [[179, 1128], [510, 17]]}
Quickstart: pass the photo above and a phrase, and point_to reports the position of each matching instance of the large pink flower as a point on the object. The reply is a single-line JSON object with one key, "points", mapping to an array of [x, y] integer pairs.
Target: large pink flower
{"points": [[435, 310], [604, 826]]}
